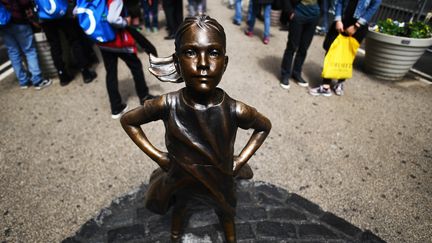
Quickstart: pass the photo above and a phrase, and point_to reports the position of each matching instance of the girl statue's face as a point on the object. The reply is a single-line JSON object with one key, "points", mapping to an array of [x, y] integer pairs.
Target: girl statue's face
{"points": [[201, 59]]}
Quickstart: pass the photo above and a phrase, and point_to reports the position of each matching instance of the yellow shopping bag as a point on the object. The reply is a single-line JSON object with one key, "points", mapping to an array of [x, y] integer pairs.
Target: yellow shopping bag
{"points": [[340, 57]]}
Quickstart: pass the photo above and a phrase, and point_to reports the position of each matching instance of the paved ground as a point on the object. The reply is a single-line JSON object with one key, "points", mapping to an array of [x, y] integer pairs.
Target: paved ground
{"points": [[265, 213], [365, 157]]}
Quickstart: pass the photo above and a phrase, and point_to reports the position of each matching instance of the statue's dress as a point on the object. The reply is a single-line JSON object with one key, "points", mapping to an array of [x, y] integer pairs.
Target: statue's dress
{"points": [[200, 143]]}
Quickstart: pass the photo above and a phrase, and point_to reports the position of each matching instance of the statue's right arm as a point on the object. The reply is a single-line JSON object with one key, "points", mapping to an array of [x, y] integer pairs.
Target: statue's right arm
{"points": [[131, 122]]}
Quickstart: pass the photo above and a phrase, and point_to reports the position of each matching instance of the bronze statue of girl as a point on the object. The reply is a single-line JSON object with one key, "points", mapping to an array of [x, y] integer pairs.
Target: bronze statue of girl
{"points": [[201, 123]]}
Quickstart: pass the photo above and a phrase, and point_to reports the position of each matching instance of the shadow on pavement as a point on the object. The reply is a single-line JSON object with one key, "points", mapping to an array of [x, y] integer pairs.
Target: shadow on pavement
{"points": [[265, 213]]}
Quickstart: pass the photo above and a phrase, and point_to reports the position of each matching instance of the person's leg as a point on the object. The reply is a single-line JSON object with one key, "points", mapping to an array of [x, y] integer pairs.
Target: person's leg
{"points": [[51, 30], [200, 7], [135, 66], [13, 49], [325, 12], [228, 225], [27, 45], [169, 15], [306, 36], [71, 30], [177, 221], [110, 62], [191, 7], [178, 5], [238, 12], [267, 20], [154, 12], [204, 6], [251, 17], [147, 10], [295, 28]]}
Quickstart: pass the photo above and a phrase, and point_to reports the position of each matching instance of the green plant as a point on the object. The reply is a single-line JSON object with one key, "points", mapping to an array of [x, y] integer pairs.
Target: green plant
{"points": [[412, 29]]}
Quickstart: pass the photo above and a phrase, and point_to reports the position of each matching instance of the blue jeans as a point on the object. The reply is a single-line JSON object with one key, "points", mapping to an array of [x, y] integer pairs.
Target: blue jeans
{"points": [[19, 38], [325, 7], [253, 11], [150, 10], [238, 11]]}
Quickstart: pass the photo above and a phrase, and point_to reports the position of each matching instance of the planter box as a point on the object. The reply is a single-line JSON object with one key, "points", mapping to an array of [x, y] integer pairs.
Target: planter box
{"points": [[44, 54], [274, 17], [390, 57]]}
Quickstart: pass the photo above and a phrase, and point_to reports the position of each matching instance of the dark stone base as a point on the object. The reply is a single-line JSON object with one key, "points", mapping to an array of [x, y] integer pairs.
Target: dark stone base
{"points": [[265, 213]]}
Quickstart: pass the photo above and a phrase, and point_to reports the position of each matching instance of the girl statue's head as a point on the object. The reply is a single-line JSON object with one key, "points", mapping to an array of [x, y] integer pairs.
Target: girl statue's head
{"points": [[200, 53], [202, 22], [199, 57]]}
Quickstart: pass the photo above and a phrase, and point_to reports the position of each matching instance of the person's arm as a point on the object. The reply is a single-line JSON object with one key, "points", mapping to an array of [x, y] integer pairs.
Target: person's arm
{"points": [[338, 16], [370, 11], [131, 122], [248, 117], [114, 17], [338, 10], [290, 7]]}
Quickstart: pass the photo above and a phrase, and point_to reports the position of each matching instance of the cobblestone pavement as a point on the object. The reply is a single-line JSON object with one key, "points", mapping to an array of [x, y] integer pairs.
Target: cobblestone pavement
{"points": [[265, 213]]}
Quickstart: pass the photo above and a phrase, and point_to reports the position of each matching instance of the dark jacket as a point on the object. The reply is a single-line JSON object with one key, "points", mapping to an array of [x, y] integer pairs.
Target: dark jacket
{"points": [[17, 9]]}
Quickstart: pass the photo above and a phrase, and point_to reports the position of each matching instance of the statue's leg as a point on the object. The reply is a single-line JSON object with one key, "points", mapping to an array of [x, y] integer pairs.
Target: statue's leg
{"points": [[177, 221], [228, 225]]}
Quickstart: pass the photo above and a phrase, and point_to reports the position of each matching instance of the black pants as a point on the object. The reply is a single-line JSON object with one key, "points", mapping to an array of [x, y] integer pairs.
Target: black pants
{"points": [[74, 36], [174, 14], [134, 64], [301, 32]]}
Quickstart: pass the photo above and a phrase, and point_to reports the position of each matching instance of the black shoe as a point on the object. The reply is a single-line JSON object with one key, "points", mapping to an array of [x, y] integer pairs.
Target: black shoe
{"points": [[170, 37], [236, 22], [65, 78], [147, 97], [284, 83], [300, 81], [43, 84], [88, 75], [118, 113]]}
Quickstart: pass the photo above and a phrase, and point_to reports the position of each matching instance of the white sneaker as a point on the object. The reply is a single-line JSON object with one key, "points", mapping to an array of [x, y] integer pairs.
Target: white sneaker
{"points": [[120, 114], [285, 86], [339, 89], [320, 90]]}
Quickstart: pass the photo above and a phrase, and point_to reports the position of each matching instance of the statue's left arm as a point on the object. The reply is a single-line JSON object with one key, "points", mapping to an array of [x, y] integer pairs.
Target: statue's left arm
{"points": [[249, 118]]}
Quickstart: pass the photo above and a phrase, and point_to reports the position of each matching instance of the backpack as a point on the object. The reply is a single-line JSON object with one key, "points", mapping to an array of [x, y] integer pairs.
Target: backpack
{"points": [[5, 15], [92, 17], [51, 9]]}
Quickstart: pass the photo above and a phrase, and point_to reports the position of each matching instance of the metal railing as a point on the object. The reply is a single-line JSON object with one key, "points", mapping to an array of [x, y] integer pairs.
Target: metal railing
{"points": [[403, 10]]}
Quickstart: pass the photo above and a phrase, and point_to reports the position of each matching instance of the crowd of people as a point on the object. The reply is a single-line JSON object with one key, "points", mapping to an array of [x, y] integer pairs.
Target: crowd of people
{"points": [[302, 18], [351, 18]]}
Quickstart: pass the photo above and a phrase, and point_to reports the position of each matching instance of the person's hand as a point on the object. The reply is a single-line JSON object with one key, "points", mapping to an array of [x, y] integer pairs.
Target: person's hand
{"points": [[128, 20], [291, 16], [339, 26], [29, 13], [351, 30]]}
